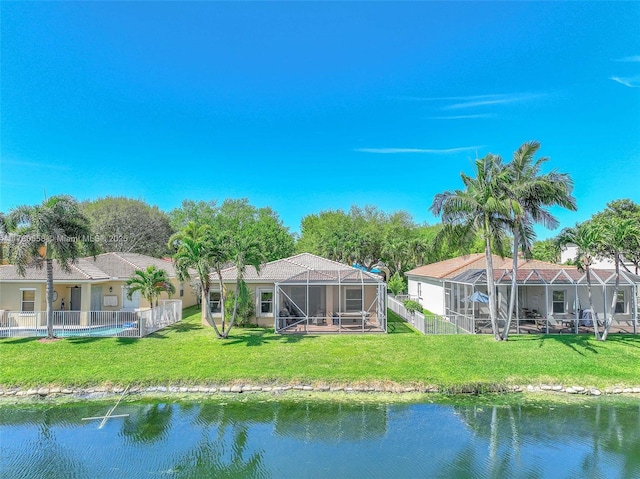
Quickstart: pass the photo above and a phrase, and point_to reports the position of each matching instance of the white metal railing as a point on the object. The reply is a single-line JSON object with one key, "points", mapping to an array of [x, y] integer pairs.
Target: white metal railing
{"points": [[167, 313], [403, 297], [550, 325], [133, 324], [338, 322], [432, 323]]}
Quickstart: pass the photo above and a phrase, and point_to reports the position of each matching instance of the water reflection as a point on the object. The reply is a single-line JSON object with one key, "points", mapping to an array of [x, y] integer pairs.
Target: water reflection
{"points": [[319, 439], [587, 439], [149, 423], [331, 423], [48, 455], [224, 454]]}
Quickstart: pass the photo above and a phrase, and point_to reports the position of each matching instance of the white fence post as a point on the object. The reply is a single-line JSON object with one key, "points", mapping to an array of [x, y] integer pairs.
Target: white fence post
{"points": [[432, 324]]}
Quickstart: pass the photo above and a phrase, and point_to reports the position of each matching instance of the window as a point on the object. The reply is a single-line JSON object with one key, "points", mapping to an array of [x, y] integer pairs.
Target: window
{"points": [[558, 302], [353, 300], [620, 302], [214, 301], [265, 308], [130, 304], [181, 290], [28, 300], [419, 290]]}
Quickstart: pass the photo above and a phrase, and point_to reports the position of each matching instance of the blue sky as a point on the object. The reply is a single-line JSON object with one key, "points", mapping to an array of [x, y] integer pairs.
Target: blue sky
{"points": [[307, 106]]}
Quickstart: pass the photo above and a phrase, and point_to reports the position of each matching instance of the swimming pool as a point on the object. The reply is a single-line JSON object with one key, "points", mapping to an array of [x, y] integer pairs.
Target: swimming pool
{"points": [[129, 330]]}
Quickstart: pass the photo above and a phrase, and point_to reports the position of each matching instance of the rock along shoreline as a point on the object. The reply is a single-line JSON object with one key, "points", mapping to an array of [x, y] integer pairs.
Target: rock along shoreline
{"points": [[99, 392]]}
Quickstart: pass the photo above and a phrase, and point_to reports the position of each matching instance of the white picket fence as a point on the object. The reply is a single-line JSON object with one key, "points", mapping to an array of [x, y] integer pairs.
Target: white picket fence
{"points": [[167, 313], [432, 323], [132, 324]]}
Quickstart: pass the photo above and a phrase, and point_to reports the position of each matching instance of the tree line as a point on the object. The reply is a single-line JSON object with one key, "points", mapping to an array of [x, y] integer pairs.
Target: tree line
{"points": [[363, 235], [495, 212]]}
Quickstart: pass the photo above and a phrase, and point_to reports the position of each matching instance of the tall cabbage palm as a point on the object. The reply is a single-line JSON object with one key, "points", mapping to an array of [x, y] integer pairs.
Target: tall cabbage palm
{"points": [[480, 209], [244, 252], [587, 237], [151, 282], [198, 251], [532, 192], [56, 229]]}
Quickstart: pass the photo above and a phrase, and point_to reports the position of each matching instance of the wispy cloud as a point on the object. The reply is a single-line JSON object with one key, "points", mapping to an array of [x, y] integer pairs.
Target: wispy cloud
{"points": [[448, 98], [35, 164], [490, 100], [430, 151], [462, 117], [631, 59], [478, 102], [632, 82]]}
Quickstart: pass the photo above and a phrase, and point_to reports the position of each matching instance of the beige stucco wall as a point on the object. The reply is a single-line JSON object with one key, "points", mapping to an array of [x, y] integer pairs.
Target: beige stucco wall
{"points": [[10, 296], [266, 321], [189, 298]]}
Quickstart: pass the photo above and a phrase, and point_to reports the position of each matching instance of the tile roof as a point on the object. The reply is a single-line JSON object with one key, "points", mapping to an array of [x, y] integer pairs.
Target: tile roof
{"points": [[451, 268], [80, 271], [104, 266], [472, 269], [302, 265], [123, 265], [565, 275]]}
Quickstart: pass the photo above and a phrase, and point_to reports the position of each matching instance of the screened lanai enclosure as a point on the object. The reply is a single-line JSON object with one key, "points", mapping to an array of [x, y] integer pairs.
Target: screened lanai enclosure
{"points": [[548, 301], [331, 301]]}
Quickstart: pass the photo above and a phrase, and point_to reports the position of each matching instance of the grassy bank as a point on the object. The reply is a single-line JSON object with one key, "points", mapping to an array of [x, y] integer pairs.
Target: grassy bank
{"points": [[188, 353]]}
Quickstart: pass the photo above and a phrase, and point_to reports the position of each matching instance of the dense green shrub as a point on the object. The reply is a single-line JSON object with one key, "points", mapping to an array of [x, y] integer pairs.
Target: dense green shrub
{"points": [[246, 308], [412, 306], [396, 284]]}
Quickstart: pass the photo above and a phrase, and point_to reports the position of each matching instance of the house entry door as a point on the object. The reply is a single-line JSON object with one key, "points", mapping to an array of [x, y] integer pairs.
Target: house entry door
{"points": [[74, 305], [76, 296]]}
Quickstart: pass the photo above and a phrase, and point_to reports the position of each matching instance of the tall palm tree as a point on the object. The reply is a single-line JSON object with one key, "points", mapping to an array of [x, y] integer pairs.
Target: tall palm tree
{"points": [[151, 282], [480, 209], [618, 235], [198, 251], [532, 192], [245, 252], [56, 229], [587, 237]]}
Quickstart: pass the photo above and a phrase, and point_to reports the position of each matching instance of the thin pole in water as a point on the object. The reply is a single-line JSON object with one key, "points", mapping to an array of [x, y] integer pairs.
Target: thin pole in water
{"points": [[109, 413]]}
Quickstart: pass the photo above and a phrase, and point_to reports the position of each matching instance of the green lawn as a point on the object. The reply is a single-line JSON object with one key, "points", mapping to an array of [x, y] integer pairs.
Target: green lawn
{"points": [[188, 353]]}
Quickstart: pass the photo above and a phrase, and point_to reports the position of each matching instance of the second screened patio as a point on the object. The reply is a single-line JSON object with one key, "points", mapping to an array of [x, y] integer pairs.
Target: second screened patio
{"points": [[549, 301]]}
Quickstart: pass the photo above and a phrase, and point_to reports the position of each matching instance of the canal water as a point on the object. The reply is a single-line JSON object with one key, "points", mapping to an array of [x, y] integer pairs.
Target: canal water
{"points": [[321, 439]]}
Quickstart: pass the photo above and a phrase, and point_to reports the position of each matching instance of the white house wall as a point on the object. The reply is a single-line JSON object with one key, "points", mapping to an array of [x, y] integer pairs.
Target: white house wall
{"points": [[431, 295]]}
